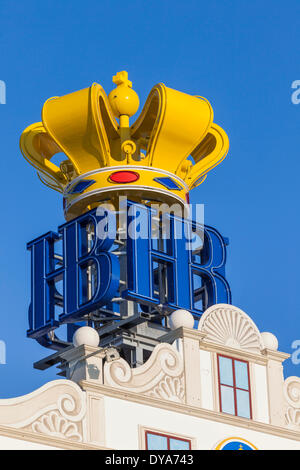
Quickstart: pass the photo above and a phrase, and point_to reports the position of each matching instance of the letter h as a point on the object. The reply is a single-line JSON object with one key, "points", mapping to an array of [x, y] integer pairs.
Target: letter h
{"points": [[80, 254]]}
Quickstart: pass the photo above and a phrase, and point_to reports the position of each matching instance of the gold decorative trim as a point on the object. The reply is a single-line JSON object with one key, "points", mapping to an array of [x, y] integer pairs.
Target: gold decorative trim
{"points": [[228, 439]]}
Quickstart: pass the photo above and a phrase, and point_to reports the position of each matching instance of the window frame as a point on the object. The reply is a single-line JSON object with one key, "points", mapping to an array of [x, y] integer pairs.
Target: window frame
{"points": [[234, 387], [168, 436]]}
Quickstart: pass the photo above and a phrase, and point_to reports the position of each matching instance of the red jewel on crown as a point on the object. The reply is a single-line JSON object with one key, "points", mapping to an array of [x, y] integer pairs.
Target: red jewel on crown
{"points": [[124, 177]]}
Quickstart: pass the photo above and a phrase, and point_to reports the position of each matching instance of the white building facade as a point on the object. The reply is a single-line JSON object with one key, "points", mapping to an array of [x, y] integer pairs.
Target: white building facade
{"points": [[220, 386]]}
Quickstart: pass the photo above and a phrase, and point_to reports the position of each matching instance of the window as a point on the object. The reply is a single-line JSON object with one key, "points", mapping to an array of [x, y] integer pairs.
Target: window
{"points": [[157, 441], [234, 387]]}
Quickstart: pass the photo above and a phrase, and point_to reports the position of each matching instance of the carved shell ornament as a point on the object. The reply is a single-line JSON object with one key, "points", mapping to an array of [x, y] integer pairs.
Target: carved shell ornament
{"points": [[55, 425], [56, 409], [291, 392], [170, 388], [230, 326]]}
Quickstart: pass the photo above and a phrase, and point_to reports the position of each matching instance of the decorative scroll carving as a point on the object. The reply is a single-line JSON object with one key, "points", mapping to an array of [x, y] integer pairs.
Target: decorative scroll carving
{"points": [[56, 409], [292, 397], [161, 376], [230, 326]]}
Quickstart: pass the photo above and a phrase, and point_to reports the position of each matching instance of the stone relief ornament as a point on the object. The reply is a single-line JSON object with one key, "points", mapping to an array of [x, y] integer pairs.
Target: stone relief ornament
{"points": [[228, 325], [55, 425], [161, 376], [170, 388], [56, 409], [291, 392]]}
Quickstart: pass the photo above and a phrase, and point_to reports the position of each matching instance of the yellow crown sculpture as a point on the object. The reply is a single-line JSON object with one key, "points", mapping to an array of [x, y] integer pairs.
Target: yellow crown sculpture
{"points": [[167, 151]]}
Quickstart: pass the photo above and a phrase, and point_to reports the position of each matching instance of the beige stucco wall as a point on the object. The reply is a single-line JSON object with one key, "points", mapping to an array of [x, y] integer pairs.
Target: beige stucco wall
{"points": [[175, 391]]}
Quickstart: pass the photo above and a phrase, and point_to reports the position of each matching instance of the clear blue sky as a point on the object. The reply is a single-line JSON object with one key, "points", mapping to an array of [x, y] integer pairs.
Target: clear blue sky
{"points": [[242, 56]]}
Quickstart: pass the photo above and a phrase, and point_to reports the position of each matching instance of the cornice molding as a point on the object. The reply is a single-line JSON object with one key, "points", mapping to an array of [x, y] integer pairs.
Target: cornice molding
{"points": [[51, 441], [259, 358], [103, 391], [182, 332], [234, 352], [275, 355]]}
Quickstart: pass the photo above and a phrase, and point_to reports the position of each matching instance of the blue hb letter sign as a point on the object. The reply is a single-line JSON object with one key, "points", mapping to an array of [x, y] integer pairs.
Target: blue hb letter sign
{"points": [[169, 272], [49, 269], [192, 280]]}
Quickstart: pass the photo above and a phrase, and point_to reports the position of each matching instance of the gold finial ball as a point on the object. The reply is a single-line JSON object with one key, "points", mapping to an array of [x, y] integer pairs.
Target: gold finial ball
{"points": [[123, 99]]}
